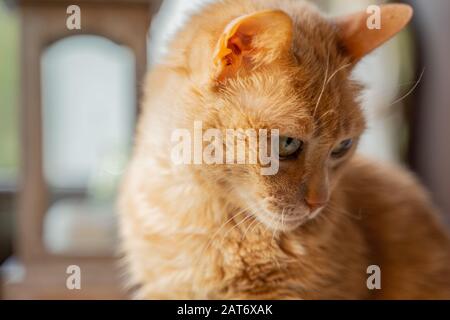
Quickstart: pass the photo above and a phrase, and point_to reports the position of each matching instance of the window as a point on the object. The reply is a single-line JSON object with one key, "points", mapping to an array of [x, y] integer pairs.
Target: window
{"points": [[9, 87], [88, 99], [9, 137]]}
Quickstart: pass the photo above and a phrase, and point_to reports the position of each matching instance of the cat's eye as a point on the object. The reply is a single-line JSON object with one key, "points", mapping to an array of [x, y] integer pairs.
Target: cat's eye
{"points": [[290, 147], [342, 148]]}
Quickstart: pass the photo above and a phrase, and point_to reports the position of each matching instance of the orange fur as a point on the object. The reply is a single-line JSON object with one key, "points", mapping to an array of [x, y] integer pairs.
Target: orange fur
{"points": [[225, 231]]}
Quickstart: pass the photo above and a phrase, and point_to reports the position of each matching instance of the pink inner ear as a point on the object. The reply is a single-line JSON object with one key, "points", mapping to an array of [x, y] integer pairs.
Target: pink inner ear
{"points": [[236, 49], [239, 44], [235, 45]]}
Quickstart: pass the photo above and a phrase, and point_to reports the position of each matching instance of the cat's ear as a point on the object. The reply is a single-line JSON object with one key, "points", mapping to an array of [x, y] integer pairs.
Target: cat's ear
{"points": [[252, 40], [362, 32]]}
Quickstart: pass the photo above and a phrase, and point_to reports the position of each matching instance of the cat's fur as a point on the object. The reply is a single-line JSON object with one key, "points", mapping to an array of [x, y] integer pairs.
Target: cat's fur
{"points": [[197, 231]]}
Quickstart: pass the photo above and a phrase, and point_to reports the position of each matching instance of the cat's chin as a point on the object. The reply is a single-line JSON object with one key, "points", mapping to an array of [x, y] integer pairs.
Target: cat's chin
{"points": [[286, 220], [281, 223]]}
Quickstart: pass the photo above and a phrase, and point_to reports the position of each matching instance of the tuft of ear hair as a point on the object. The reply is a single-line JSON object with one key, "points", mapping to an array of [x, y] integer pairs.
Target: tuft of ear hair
{"points": [[359, 39], [252, 40]]}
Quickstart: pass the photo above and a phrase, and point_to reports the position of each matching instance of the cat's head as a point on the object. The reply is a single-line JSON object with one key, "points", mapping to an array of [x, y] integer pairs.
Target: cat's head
{"points": [[271, 70]]}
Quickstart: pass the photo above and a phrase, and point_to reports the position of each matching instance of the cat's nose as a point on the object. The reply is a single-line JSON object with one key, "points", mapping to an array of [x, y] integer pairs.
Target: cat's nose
{"points": [[317, 193], [314, 204]]}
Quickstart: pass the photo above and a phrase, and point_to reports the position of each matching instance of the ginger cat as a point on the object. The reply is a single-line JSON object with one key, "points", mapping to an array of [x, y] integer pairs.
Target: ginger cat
{"points": [[311, 230]]}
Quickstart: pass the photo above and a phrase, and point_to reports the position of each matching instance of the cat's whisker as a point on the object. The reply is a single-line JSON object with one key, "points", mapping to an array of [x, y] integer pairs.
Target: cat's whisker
{"points": [[275, 229], [255, 226], [282, 226], [337, 70], [248, 228], [324, 83], [273, 240], [235, 226], [209, 243], [326, 113], [242, 211], [225, 223], [407, 93], [327, 81]]}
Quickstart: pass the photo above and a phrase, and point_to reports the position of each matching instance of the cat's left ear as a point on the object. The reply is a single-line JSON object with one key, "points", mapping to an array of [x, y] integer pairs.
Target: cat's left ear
{"points": [[252, 40], [362, 32]]}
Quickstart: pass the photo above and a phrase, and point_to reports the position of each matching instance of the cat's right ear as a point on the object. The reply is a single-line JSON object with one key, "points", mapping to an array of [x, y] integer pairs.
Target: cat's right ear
{"points": [[252, 40]]}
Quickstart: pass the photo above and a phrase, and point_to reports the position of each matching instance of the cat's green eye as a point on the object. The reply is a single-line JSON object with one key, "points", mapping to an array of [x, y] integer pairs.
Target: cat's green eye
{"points": [[290, 147], [342, 148]]}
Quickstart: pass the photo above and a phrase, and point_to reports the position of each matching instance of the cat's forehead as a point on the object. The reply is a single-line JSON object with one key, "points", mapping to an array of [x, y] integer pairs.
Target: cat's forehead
{"points": [[295, 104], [268, 100]]}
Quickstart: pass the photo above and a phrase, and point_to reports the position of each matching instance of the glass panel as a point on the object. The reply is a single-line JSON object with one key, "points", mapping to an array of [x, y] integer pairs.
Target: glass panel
{"points": [[9, 131], [89, 98], [9, 92]]}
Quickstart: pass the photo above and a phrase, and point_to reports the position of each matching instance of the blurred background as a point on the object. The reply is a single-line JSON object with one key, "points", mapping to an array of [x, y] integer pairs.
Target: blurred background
{"points": [[69, 103]]}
